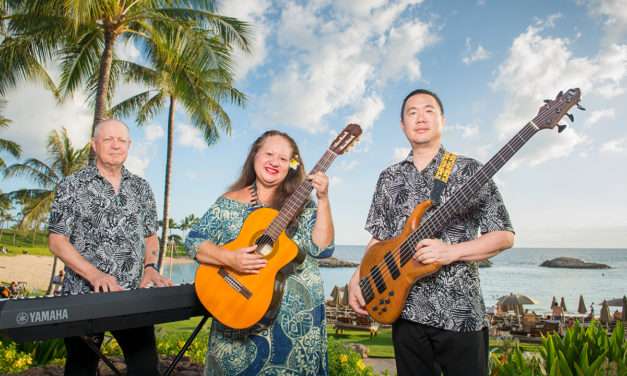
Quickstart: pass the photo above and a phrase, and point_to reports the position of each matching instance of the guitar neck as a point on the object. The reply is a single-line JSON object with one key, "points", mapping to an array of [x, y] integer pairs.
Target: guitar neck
{"points": [[437, 222], [296, 201]]}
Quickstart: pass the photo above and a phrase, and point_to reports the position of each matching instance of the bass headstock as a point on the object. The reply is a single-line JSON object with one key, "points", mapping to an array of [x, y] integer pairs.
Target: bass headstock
{"points": [[554, 110]]}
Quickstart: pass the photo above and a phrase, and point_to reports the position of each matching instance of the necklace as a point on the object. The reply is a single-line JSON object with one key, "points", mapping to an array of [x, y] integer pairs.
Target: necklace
{"points": [[254, 199]]}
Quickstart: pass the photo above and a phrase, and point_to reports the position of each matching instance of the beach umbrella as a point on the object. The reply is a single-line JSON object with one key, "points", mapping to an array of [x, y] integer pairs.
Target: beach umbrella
{"points": [[335, 293], [582, 306], [605, 313], [515, 300], [563, 304], [345, 296], [617, 302], [553, 303]]}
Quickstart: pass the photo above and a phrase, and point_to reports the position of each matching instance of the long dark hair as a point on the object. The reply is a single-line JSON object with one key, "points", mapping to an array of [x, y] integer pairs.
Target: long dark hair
{"points": [[292, 180]]}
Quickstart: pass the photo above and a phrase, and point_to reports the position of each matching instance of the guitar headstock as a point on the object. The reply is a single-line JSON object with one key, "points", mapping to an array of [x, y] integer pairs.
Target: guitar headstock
{"points": [[346, 139], [554, 110]]}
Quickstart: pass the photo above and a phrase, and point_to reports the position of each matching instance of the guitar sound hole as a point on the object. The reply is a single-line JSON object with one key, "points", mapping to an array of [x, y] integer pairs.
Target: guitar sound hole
{"points": [[264, 245]]}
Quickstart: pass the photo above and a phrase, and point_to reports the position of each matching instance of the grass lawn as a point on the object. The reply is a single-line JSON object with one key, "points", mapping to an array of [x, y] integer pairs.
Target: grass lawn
{"points": [[379, 346]]}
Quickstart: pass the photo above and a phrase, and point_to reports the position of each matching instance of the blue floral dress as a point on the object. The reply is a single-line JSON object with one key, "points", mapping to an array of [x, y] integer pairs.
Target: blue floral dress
{"points": [[296, 341]]}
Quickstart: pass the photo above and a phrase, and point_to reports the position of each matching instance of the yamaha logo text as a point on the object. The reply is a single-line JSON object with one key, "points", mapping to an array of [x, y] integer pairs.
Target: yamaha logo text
{"points": [[42, 316]]}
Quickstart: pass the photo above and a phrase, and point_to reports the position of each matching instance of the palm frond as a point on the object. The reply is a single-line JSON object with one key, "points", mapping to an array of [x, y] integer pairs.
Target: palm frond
{"points": [[81, 60], [35, 170], [10, 147], [130, 105]]}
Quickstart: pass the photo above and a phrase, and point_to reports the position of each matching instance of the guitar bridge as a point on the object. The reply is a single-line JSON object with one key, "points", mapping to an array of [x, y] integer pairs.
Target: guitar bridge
{"points": [[234, 283]]}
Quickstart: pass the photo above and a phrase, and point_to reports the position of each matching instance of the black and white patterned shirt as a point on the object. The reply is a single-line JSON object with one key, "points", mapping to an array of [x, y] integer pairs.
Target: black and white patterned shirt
{"points": [[451, 298], [106, 228]]}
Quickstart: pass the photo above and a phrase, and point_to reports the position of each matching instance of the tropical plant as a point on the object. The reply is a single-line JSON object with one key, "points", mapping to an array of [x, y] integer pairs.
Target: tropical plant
{"points": [[5, 145], [581, 351], [82, 35], [188, 222], [189, 67], [65, 160]]}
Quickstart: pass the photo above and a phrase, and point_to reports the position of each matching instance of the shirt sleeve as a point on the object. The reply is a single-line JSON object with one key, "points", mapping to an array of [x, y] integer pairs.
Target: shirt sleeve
{"points": [[492, 213], [63, 210], [150, 216], [304, 233], [376, 223]]}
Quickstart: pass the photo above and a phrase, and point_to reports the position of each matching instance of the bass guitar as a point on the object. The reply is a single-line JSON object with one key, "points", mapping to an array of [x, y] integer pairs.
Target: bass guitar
{"points": [[388, 270], [239, 300]]}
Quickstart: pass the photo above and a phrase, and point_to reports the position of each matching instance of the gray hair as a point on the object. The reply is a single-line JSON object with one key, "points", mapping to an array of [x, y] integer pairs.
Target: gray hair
{"points": [[105, 121]]}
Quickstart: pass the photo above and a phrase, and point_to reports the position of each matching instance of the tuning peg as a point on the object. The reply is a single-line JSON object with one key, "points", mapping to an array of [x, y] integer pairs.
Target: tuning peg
{"points": [[571, 117], [580, 107], [547, 101], [561, 127]]}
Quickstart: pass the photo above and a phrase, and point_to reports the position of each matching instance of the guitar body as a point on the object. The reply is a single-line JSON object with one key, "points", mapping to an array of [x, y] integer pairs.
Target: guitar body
{"points": [[387, 305], [239, 301]]}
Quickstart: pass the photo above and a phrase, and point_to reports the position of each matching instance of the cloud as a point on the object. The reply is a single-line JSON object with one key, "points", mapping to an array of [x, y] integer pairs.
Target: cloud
{"points": [[334, 181], [35, 113], [597, 116], [153, 132], [367, 112], [255, 12], [614, 14], [187, 135], [478, 54], [335, 56], [467, 131], [139, 157], [400, 154], [348, 165], [614, 146], [538, 67]]}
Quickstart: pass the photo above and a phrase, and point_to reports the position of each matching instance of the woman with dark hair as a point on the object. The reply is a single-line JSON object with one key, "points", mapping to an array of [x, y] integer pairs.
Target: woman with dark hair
{"points": [[294, 343]]}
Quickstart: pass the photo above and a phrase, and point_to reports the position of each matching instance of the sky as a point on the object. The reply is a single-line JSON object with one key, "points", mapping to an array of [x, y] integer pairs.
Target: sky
{"points": [[317, 65]]}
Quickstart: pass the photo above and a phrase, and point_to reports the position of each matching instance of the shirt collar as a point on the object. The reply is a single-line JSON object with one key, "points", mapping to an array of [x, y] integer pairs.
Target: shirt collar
{"points": [[92, 172], [434, 162]]}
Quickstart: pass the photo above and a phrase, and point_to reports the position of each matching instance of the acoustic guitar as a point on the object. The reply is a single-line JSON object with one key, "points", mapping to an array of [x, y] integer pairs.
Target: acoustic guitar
{"points": [[388, 270], [239, 300]]}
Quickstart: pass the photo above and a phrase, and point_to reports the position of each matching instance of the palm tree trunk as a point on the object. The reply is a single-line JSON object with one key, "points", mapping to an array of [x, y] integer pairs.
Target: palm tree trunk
{"points": [[168, 174], [52, 274], [106, 61]]}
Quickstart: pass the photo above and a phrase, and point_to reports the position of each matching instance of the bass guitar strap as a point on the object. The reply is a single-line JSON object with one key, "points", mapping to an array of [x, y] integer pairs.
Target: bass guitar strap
{"points": [[440, 179]]}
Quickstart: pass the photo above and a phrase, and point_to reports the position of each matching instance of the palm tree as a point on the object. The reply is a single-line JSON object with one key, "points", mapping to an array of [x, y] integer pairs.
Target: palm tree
{"points": [[6, 206], [188, 222], [82, 34], [65, 160], [190, 68], [5, 145]]}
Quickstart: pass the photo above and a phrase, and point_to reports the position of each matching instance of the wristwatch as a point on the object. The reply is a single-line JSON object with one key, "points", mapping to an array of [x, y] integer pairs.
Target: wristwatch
{"points": [[152, 265]]}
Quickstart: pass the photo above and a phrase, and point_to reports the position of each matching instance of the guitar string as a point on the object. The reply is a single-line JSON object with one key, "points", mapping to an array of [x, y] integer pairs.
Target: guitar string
{"points": [[384, 272]]}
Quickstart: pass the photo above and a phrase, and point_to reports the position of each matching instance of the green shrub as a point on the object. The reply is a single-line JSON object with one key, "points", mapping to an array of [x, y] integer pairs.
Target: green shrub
{"points": [[580, 352], [345, 362], [12, 360], [43, 352]]}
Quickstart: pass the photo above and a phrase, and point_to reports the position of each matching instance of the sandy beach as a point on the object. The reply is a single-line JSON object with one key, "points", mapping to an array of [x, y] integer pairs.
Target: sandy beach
{"points": [[35, 270]]}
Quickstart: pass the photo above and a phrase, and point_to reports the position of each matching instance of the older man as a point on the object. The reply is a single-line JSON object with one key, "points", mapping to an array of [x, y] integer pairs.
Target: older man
{"points": [[103, 226]]}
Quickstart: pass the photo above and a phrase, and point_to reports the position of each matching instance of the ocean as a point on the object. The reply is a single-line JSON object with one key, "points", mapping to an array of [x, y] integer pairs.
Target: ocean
{"points": [[514, 271]]}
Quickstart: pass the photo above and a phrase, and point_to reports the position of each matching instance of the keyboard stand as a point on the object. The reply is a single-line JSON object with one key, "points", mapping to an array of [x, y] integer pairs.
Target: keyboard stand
{"points": [[186, 346], [96, 350]]}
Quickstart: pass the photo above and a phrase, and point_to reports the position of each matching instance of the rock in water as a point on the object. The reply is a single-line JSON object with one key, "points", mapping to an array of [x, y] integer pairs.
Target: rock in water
{"points": [[333, 262], [572, 263]]}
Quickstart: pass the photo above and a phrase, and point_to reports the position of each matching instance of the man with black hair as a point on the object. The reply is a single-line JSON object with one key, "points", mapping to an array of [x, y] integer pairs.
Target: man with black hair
{"points": [[442, 328]]}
